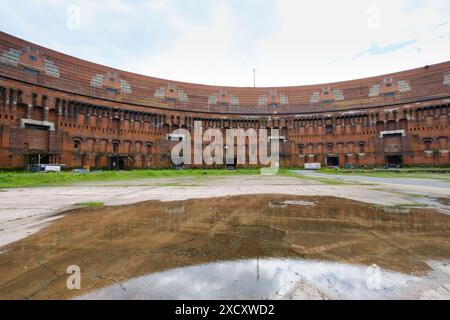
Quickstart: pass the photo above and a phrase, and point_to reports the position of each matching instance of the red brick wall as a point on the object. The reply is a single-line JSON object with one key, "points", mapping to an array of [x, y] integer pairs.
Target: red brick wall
{"points": [[96, 120]]}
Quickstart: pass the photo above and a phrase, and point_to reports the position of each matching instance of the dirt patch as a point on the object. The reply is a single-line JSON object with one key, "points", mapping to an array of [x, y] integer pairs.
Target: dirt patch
{"points": [[444, 201]]}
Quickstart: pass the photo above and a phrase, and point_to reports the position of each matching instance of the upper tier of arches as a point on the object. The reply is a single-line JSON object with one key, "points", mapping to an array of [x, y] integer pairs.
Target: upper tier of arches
{"points": [[31, 63]]}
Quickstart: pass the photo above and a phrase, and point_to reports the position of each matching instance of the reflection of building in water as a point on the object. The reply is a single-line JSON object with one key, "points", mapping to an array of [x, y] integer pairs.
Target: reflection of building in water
{"points": [[145, 238], [177, 209], [275, 205]]}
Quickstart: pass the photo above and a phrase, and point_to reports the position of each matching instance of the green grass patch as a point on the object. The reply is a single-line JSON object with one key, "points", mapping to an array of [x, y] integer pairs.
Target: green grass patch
{"points": [[410, 205], [91, 204], [402, 206], [289, 173], [29, 179], [444, 176], [337, 182], [10, 179], [320, 180]]}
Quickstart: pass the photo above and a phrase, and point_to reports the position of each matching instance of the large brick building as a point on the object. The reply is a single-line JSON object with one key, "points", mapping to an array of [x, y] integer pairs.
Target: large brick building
{"points": [[58, 109]]}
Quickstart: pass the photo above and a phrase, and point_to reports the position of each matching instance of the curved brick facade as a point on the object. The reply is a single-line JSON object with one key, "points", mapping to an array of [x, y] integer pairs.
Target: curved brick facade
{"points": [[58, 109]]}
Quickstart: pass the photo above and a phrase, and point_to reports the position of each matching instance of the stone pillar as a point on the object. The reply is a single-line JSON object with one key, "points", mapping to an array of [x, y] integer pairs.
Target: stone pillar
{"points": [[11, 101], [3, 98], [30, 111], [46, 113]]}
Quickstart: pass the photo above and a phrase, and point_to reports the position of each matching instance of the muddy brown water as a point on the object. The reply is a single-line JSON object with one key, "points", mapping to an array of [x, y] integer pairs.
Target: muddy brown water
{"points": [[114, 244]]}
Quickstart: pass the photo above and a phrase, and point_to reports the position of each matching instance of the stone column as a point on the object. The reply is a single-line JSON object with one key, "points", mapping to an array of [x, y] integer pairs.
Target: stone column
{"points": [[3, 98], [46, 113]]}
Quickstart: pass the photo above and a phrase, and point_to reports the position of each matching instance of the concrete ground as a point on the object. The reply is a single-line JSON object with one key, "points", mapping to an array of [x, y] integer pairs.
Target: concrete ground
{"points": [[413, 182], [24, 211]]}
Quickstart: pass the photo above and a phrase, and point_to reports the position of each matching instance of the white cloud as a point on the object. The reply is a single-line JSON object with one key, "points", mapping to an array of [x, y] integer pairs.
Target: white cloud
{"points": [[324, 32], [201, 52], [219, 42]]}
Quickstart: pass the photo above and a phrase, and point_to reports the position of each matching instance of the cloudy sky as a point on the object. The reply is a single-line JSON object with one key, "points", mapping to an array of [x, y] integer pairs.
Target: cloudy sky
{"points": [[289, 42]]}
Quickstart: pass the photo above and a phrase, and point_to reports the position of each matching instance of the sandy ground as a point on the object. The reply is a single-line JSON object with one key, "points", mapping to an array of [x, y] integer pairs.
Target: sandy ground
{"points": [[24, 211]]}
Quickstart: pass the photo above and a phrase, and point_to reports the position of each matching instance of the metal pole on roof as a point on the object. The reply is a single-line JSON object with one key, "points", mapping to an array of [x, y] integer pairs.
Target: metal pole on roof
{"points": [[254, 78]]}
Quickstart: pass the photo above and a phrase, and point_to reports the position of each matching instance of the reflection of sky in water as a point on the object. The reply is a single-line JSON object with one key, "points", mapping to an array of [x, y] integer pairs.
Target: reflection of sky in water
{"points": [[252, 279]]}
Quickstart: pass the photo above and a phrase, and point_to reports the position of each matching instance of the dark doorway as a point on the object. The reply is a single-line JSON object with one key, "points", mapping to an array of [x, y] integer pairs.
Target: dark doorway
{"points": [[121, 164], [37, 159], [231, 164], [332, 161], [117, 163], [394, 161]]}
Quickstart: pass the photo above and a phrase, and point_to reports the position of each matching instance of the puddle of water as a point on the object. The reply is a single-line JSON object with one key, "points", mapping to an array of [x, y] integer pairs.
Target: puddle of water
{"points": [[444, 200], [442, 204], [196, 239], [259, 280]]}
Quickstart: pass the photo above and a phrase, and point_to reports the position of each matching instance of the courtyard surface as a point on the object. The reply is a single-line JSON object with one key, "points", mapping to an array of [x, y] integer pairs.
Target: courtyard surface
{"points": [[37, 217]]}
